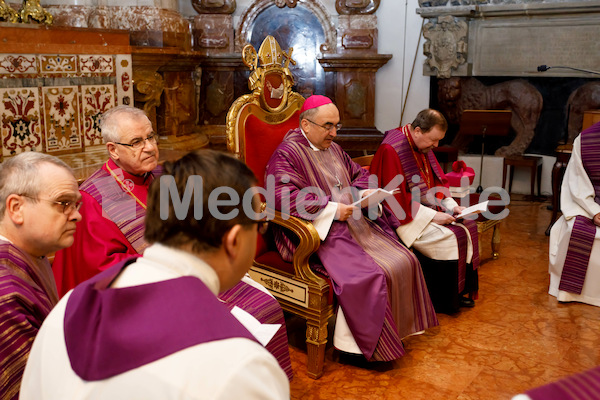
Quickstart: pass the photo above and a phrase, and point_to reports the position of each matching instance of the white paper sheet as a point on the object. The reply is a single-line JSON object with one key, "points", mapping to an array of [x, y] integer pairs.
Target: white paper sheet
{"points": [[476, 209], [262, 332], [375, 197]]}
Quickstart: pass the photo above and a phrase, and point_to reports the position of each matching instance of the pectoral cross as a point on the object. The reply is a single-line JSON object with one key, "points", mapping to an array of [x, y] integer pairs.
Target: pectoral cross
{"points": [[339, 184]]}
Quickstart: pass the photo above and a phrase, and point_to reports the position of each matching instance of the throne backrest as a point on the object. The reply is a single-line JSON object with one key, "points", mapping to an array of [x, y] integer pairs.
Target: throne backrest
{"points": [[257, 122]]}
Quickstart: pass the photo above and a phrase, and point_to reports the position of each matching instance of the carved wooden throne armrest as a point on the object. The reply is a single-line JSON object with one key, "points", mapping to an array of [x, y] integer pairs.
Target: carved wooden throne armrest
{"points": [[256, 124]]}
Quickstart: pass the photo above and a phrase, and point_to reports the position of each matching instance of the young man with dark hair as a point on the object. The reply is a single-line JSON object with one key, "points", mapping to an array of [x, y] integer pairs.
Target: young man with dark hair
{"points": [[152, 327]]}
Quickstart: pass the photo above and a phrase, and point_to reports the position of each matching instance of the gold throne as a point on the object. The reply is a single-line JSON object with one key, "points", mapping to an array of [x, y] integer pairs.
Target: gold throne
{"points": [[256, 125]]}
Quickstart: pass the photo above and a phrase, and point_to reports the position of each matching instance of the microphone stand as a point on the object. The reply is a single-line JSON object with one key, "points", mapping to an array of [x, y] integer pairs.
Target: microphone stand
{"points": [[544, 68]]}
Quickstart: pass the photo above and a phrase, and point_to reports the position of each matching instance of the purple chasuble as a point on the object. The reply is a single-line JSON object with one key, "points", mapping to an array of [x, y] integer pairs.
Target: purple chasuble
{"points": [[584, 230], [582, 386], [109, 331], [119, 206], [398, 139], [357, 273]]}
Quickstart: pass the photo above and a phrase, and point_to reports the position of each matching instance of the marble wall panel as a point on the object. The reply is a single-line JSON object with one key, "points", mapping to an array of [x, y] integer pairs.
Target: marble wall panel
{"points": [[58, 64], [22, 121], [18, 64], [62, 119], [96, 99], [124, 71], [59, 115], [96, 64]]}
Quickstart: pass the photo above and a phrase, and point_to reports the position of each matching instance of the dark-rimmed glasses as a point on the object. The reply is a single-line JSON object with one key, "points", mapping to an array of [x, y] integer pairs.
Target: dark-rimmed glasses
{"points": [[328, 126], [138, 143], [67, 206]]}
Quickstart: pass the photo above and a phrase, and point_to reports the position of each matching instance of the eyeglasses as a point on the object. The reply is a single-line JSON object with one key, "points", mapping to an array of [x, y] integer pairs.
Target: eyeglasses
{"points": [[67, 206], [328, 126], [138, 143]]}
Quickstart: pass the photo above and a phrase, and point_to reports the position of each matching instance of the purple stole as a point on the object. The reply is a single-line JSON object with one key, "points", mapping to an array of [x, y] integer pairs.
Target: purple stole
{"points": [[28, 293], [118, 206], [97, 316], [398, 139], [582, 386], [584, 229]]}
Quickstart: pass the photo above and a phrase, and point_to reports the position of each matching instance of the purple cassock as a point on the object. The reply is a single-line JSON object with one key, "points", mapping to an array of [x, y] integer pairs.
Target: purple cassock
{"points": [[584, 230], [27, 294], [111, 331], [377, 281]]}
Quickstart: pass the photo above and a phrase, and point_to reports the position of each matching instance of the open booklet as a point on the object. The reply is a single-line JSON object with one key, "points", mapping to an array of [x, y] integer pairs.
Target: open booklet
{"points": [[475, 209], [262, 332], [375, 197]]}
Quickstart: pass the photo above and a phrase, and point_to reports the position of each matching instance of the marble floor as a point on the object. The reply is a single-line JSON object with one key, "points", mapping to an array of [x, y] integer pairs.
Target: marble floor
{"points": [[515, 338]]}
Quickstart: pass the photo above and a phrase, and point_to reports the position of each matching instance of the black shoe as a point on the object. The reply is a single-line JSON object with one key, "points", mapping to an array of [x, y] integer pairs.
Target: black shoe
{"points": [[466, 302]]}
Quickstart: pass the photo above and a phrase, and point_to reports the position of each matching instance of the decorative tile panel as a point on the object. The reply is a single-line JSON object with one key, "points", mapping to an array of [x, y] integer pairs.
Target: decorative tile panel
{"points": [[124, 79], [96, 99], [18, 64], [61, 114], [96, 64], [21, 120], [58, 64]]}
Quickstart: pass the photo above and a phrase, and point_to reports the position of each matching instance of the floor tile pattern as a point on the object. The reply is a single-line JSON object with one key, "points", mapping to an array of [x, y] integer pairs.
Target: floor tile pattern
{"points": [[515, 338]]}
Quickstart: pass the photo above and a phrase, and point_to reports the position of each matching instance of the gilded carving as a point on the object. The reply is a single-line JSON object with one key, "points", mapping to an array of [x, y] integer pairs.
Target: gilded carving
{"points": [[446, 45], [7, 13], [316, 334], [214, 6], [269, 79], [345, 7], [267, 282], [32, 9]]}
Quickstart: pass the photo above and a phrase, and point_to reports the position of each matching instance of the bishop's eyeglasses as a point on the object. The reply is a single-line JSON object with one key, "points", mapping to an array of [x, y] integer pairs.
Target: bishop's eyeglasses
{"points": [[138, 143], [328, 126]]}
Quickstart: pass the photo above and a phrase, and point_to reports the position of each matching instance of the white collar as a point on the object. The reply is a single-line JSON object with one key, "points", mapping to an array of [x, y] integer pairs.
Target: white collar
{"points": [[312, 146], [161, 263]]}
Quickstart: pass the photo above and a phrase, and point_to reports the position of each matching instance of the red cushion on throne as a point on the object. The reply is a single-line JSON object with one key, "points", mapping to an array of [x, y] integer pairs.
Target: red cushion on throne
{"points": [[261, 141], [264, 140]]}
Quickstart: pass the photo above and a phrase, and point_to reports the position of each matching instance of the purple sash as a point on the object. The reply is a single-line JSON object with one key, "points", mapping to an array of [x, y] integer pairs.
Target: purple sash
{"points": [[111, 331], [28, 293], [584, 229], [578, 255], [590, 155], [118, 206], [399, 141]]}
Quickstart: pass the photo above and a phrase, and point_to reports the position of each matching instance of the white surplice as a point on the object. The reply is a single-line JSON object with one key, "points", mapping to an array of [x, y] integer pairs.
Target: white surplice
{"points": [[235, 368], [577, 198]]}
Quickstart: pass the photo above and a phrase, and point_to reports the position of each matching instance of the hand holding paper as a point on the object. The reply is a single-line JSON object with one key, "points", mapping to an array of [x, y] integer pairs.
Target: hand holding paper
{"points": [[375, 197], [475, 209]]}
